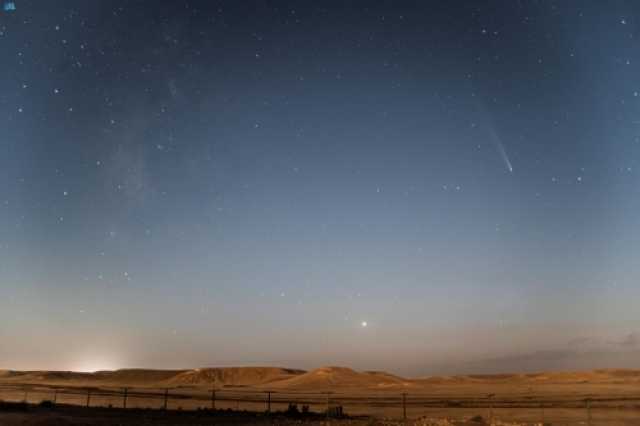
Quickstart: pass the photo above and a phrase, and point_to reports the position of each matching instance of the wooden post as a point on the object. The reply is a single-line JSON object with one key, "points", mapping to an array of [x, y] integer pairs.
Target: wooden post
{"points": [[88, 397], [166, 398], [404, 406], [26, 396], [213, 399], [55, 396], [125, 392], [542, 413], [268, 401], [588, 403]]}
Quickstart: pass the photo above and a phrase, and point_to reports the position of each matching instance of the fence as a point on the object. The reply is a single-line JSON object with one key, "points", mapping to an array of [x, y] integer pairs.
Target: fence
{"points": [[567, 409]]}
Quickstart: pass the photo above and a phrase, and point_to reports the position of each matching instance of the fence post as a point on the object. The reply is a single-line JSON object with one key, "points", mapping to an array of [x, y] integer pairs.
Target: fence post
{"points": [[88, 397], [404, 406], [588, 403], [125, 392], [542, 412], [166, 397], [328, 404], [213, 398], [55, 396], [26, 396], [490, 396], [268, 401]]}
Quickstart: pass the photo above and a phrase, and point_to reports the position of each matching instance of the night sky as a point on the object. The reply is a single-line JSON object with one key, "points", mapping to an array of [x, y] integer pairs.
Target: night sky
{"points": [[406, 186]]}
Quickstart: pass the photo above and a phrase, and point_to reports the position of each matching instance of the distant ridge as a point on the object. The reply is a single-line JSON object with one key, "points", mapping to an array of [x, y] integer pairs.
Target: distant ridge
{"points": [[591, 376], [117, 377]]}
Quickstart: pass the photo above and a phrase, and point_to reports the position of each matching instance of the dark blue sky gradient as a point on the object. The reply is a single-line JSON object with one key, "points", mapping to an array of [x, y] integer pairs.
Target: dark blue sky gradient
{"points": [[194, 183]]}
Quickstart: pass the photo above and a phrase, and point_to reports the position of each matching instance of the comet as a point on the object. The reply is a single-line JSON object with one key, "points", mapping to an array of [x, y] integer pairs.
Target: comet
{"points": [[505, 158], [501, 150], [495, 138]]}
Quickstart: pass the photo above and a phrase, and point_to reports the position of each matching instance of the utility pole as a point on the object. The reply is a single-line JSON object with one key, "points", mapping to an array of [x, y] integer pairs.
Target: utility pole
{"points": [[125, 392], [88, 397], [213, 398], [269, 402]]}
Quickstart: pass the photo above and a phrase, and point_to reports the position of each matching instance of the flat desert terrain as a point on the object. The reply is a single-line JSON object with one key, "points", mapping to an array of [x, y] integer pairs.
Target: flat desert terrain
{"points": [[212, 395]]}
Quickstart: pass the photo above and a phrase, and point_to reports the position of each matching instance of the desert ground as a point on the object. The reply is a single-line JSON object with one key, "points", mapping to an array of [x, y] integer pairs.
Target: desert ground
{"points": [[246, 395]]}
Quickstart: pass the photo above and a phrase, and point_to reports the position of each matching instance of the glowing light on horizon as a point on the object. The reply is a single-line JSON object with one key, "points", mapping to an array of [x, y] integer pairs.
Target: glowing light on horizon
{"points": [[91, 365]]}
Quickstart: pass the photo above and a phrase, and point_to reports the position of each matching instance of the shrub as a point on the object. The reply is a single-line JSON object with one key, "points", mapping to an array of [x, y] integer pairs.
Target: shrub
{"points": [[47, 404], [13, 406]]}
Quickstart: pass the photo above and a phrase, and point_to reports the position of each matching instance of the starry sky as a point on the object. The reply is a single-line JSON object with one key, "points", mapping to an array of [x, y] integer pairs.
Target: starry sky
{"points": [[407, 186]]}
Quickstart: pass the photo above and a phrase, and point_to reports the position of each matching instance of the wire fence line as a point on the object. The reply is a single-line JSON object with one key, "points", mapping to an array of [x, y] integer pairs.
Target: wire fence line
{"points": [[387, 404]]}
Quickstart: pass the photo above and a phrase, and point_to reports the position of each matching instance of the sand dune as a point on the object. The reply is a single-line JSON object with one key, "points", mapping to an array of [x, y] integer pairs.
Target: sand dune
{"points": [[234, 376], [299, 380], [341, 377]]}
